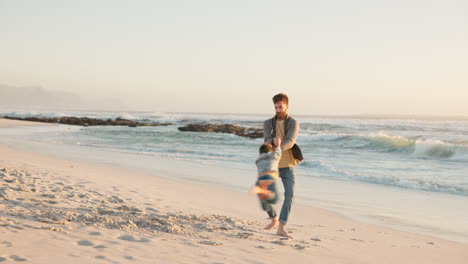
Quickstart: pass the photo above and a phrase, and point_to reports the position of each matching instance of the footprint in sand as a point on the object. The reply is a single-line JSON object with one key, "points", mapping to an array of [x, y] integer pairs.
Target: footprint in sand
{"points": [[128, 208], [85, 243], [6, 244], [279, 242], [97, 193], [261, 247], [94, 233], [151, 209], [10, 180], [244, 235], [100, 246], [16, 227], [115, 199], [210, 243], [132, 239], [300, 247], [16, 258]]}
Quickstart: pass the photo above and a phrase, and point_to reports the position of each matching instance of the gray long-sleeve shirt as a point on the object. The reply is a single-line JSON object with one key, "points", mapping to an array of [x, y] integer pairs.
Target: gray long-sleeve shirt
{"points": [[268, 161], [291, 127]]}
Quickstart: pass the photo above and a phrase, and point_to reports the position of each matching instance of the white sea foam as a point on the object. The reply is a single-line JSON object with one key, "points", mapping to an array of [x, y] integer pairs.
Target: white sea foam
{"points": [[328, 170]]}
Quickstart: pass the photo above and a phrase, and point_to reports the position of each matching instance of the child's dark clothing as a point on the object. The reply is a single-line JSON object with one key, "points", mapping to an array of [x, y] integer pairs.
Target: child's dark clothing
{"points": [[267, 167]]}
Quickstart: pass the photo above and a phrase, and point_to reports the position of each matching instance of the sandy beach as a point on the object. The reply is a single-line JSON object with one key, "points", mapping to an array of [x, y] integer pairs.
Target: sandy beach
{"points": [[56, 210]]}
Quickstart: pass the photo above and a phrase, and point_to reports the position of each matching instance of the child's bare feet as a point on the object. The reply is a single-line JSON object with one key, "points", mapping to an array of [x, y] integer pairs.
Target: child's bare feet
{"points": [[282, 232], [273, 223], [265, 183], [262, 193], [256, 190]]}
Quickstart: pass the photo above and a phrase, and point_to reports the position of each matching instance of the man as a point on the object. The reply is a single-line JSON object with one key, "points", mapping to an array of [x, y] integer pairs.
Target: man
{"points": [[287, 128]]}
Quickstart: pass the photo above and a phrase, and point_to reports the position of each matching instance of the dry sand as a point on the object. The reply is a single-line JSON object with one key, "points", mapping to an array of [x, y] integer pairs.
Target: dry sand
{"points": [[60, 211]]}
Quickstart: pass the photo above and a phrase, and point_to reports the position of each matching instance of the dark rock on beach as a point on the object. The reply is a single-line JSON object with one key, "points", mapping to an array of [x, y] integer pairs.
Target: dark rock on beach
{"points": [[86, 121], [224, 128]]}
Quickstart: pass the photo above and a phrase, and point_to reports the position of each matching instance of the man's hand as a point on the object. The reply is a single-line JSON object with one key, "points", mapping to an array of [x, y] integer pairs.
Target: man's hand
{"points": [[277, 141]]}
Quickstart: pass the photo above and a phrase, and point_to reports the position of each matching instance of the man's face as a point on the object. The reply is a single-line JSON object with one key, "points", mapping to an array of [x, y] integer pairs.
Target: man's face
{"points": [[281, 109]]}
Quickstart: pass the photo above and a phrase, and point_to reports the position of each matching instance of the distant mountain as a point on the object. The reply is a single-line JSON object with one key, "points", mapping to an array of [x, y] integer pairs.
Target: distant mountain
{"points": [[38, 97]]}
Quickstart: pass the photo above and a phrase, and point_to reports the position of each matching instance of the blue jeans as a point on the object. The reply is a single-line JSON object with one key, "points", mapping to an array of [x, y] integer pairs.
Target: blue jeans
{"points": [[289, 179], [267, 204]]}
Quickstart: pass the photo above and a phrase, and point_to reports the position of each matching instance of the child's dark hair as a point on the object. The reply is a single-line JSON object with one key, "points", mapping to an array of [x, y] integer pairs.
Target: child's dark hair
{"points": [[265, 148]]}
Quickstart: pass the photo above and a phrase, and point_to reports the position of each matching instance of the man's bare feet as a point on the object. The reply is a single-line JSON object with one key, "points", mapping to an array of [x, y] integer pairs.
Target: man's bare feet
{"points": [[282, 232], [273, 223]]}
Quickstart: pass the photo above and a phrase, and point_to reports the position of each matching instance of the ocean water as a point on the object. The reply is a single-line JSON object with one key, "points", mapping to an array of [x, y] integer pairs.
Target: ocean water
{"points": [[409, 173]]}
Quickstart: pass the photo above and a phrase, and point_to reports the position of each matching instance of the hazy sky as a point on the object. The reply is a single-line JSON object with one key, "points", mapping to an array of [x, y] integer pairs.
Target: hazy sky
{"points": [[330, 57]]}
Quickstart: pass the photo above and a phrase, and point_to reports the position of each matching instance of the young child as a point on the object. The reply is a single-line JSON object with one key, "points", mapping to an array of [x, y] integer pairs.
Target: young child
{"points": [[267, 168]]}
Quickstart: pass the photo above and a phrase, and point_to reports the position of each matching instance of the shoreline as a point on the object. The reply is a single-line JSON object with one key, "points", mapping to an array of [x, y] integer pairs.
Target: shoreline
{"points": [[191, 228]]}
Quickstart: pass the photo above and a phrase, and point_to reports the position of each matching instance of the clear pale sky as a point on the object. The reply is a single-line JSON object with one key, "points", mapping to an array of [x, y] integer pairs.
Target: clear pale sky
{"points": [[330, 57]]}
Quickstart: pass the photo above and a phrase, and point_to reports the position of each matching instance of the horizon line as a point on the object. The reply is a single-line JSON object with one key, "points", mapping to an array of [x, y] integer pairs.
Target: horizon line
{"points": [[331, 116]]}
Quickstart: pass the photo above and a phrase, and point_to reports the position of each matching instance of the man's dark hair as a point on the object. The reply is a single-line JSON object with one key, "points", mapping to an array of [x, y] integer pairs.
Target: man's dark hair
{"points": [[281, 97], [265, 148]]}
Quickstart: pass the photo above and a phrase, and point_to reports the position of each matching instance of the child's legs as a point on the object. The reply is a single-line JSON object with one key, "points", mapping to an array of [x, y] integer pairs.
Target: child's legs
{"points": [[267, 204], [268, 207], [273, 198], [270, 180]]}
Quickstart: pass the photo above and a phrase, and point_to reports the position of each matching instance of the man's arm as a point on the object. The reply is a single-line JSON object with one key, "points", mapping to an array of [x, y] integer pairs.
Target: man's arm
{"points": [[277, 151], [268, 131], [291, 136]]}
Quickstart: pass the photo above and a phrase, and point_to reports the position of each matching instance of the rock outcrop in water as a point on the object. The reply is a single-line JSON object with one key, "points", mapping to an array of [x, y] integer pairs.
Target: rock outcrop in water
{"points": [[86, 121], [224, 128]]}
